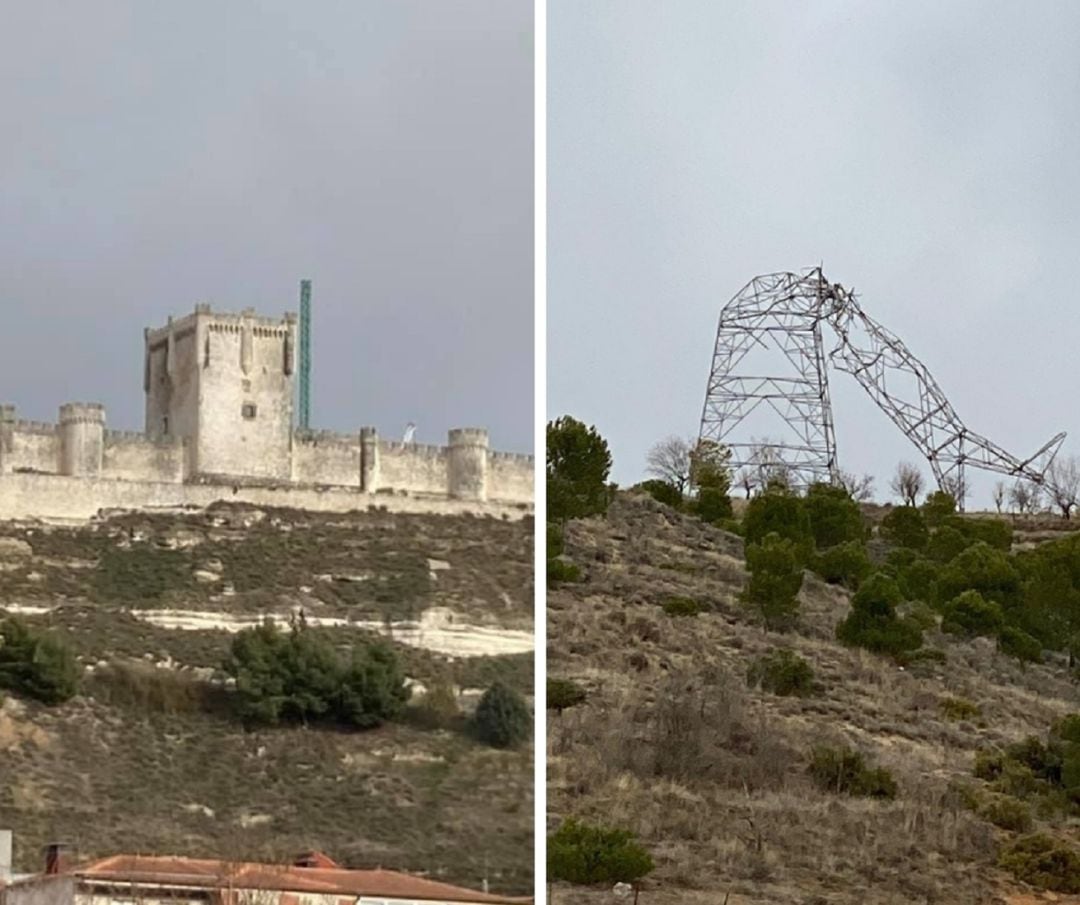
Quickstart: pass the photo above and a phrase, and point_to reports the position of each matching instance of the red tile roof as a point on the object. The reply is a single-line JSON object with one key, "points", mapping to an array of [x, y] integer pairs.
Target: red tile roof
{"points": [[210, 874]]}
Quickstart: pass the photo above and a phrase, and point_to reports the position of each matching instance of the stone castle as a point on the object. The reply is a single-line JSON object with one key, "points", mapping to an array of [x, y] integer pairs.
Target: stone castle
{"points": [[219, 425]]}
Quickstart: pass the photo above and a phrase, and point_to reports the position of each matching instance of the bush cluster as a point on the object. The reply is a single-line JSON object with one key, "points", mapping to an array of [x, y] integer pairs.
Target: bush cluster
{"points": [[782, 672], [1044, 862], [775, 578], [36, 665], [587, 855], [844, 772], [502, 717], [846, 564], [873, 622], [297, 676], [682, 606], [563, 693]]}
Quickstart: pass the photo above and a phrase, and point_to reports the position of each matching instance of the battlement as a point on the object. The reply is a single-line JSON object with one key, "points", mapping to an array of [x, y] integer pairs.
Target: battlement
{"points": [[512, 458], [221, 322], [82, 413], [323, 438], [469, 436], [44, 428]]}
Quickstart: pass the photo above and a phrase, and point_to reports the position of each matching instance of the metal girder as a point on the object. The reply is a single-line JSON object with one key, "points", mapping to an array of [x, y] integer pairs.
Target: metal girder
{"points": [[786, 312]]}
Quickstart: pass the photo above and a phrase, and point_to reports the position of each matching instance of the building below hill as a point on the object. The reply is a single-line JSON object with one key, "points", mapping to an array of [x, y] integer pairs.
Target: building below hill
{"points": [[313, 879], [220, 392]]}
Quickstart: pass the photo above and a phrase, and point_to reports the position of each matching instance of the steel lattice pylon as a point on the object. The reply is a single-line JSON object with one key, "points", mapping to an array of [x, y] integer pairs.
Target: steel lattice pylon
{"points": [[787, 312]]}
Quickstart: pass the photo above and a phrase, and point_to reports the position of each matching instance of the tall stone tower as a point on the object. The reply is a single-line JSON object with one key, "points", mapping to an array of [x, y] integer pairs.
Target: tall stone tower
{"points": [[224, 383]]}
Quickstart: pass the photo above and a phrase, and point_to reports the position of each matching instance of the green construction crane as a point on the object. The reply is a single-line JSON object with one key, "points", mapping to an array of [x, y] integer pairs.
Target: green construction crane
{"points": [[305, 355]]}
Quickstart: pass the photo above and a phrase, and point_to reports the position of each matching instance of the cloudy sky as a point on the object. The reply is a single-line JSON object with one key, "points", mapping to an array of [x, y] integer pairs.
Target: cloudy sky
{"points": [[156, 155], [926, 153]]}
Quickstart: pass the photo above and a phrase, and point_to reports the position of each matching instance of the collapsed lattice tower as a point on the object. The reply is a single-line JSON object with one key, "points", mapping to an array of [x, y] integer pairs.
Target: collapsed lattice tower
{"points": [[787, 312]]}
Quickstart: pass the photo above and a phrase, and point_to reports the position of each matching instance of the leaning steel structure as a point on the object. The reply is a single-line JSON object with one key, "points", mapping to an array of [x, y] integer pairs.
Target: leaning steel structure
{"points": [[789, 313]]}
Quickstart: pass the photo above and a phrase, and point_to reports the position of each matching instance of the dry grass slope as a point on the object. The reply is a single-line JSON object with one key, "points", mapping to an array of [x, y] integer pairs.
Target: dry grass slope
{"points": [[711, 775], [152, 762]]}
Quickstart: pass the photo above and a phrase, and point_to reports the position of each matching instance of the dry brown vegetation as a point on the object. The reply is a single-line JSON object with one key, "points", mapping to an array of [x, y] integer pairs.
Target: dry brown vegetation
{"points": [[148, 758], [711, 775]]}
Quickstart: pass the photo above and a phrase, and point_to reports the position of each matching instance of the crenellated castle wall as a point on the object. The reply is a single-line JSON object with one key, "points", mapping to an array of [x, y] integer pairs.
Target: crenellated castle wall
{"points": [[219, 412]]}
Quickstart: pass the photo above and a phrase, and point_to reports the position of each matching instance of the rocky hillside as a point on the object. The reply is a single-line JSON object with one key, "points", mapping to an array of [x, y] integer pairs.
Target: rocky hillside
{"points": [[712, 775], [148, 757]]}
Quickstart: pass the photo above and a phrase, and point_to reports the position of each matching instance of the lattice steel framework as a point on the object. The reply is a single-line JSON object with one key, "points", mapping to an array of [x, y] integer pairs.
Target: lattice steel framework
{"points": [[786, 312]]}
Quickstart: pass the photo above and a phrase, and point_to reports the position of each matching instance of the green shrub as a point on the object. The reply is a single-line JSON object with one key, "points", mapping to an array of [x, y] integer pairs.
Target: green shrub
{"points": [[297, 676], [562, 693], [779, 511], [372, 687], [835, 518], [847, 564], [922, 615], [1067, 728], [970, 616], [588, 855], [958, 709], [993, 531], [873, 623], [1007, 813], [782, 672], [918, 579], [938, 506], [662, 491], [946, 543], [559, 571], [36, 665], [1017, 643], [712, 505], [682, 606], [1044, 761], [775, 579], [1044, 862], [844, 772], [988, 764], [905, 526], [980, 568], [578, 463], [556, 540], [502, 717]]}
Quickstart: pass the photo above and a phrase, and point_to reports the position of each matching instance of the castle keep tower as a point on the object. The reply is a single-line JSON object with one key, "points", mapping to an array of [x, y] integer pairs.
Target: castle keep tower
{"points": [[224, 383]]}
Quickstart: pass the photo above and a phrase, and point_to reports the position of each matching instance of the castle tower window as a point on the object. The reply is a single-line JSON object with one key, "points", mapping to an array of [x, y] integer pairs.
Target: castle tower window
{"points": [[165, 424], [249, 410]]}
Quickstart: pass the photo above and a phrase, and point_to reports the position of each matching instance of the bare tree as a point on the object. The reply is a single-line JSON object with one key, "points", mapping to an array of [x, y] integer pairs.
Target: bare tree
{"points": [[1024, 497], [999, 495], [1063, 484], [956, 487], [669, 460], [769, 464], [860, 489], [907, 483]]}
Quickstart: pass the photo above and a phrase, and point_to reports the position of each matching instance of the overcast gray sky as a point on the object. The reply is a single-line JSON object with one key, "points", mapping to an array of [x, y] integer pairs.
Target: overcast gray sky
{"points": [[926, 153], [155, 155]]}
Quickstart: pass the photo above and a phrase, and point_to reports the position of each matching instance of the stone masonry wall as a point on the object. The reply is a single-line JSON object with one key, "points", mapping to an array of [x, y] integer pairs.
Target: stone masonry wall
{"points": [[323, 457], [58, 497], [413, 467]]}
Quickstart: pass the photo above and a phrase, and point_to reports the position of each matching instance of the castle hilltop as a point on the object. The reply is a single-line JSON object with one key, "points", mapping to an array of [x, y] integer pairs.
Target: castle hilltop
{"points": [[220, 426]]}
